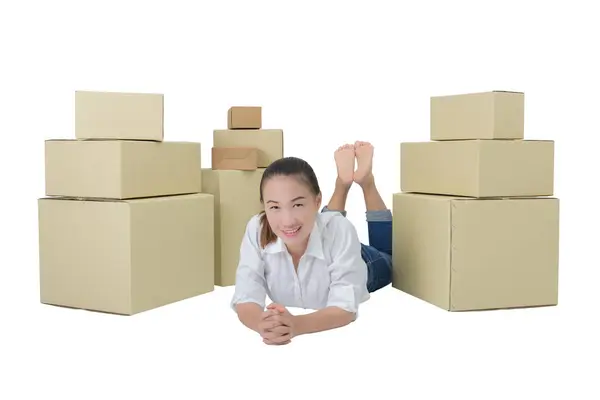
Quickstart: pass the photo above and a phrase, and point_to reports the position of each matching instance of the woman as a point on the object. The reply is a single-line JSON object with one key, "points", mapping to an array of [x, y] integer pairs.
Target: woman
{"points": [[301, 257]]}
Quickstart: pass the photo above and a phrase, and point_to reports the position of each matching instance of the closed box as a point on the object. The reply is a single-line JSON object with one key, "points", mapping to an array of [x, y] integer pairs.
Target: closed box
{"points": [[238, 158], [121, 169], [268, 142], [244, 117], [478, 168], [487, 115], [115, 115], [125, 256], [474, 254], [237, 199]]}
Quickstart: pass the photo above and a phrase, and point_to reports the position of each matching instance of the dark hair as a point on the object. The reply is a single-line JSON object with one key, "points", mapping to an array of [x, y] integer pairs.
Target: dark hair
{"points": [[286, 166]]}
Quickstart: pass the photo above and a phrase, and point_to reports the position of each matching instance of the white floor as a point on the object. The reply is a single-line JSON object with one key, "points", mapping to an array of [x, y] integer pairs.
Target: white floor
{"points": [[400, 347]]}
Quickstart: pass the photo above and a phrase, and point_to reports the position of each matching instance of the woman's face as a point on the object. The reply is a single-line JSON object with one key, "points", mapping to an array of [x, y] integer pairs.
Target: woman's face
{"points": [[291, 209]]}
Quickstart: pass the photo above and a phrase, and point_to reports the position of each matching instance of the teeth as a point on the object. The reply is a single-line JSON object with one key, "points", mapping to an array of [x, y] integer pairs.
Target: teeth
{"points": [[292, 231]]}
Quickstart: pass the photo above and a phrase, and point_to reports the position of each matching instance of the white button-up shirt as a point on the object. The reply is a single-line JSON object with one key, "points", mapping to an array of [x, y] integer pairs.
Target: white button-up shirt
{"points": [[330, 273]]}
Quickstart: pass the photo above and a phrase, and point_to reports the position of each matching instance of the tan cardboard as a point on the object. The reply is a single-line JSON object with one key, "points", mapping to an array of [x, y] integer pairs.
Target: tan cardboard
{"points": [[478, 168], [117, 115], [121, 169], [486, 115], [237, 199], [268, 142], [125, 256], [244, 117], [465, 254], [238, 158]]}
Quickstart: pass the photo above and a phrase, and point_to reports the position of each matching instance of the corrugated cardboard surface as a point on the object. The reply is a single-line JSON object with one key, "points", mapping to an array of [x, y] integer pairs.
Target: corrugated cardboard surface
{"points": [[476, 254], [115, 115], [478, 168], [238, 158], [121, 169], [268, 142], [125, 257], [237, 199], [244, 117], [485, 115]]}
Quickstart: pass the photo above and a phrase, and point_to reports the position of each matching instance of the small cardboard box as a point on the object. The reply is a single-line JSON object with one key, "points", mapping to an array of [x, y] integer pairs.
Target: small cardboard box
{"points": [[125, 256], [238, 158], [268, 142], [478, 168], [115, 115], [121, 169], [237, 199], [474, 254], [487, 115], [243, 117]]}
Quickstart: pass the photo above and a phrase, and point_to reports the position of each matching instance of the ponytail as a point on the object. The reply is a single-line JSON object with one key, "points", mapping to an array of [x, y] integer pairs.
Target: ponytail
{"points": [[267, 235]]}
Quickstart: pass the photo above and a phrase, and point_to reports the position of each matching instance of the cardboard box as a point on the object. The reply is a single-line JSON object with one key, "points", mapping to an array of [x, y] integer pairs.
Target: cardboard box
{"points": [[478, 168], [268, 142], [121, 169], [115, 115], [237, 199], [244, 117], [127, 256], [239, 158], [487, 115], [476, 254]]}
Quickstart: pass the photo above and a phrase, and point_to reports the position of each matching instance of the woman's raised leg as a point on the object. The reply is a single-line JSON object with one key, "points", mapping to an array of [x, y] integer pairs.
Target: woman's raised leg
{"points": [[379, 217], [344, 162]]}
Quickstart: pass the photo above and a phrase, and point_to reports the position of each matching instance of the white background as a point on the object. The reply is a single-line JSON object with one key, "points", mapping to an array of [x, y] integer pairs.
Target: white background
{"points": [[326, 73]]}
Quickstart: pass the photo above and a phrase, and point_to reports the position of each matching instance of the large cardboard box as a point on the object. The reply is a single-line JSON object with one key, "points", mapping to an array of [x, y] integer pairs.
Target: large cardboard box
{"points": [[125, 256], [237, 199], [244, 117], [478, 168], [475, 254], [268, 142], [486, 115], [121, 169], [116, 115]]}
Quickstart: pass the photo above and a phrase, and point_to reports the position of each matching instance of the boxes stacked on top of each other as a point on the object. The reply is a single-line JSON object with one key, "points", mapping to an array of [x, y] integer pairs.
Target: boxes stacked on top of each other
{"points": [[124, 226], [240, 155], [475, 225]]}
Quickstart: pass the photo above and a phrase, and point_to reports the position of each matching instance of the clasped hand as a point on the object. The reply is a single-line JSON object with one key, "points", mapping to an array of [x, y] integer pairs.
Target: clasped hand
{"points": [[276, 325]]}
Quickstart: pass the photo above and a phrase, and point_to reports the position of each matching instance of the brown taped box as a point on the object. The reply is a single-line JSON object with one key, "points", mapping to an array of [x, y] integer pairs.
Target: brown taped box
{"points": [[237, 158], [116, 115], [268, 142], [486, 115], [465, 254], [121, 169], [231, 215], [478, 168], [125, 256], [243, 117]]}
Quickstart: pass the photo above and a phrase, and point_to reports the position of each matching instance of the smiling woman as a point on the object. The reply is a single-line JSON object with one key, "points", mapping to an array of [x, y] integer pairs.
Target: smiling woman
{"points": [[302, 257]]}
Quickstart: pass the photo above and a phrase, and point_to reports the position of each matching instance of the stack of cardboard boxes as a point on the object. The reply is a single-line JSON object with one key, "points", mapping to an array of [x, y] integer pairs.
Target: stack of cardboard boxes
{"points": [[475, 225], [240, 155], [125, 226]]}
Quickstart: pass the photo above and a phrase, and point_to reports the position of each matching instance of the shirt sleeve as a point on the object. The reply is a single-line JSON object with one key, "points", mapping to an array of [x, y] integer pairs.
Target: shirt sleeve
{"points": [[348, 270], [250, 282]]}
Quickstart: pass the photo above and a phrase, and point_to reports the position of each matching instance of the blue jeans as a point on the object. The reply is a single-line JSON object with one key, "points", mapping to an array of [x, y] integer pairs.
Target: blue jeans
{"points": [[378, 253]]}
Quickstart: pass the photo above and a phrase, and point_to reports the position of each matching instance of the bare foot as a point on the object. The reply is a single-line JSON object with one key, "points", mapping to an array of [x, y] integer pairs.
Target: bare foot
{"points": [[364, 160], [344, 161]]}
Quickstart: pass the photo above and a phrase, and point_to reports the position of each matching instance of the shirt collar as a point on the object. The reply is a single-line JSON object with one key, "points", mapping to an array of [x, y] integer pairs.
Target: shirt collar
{"points": [[314, 248]]}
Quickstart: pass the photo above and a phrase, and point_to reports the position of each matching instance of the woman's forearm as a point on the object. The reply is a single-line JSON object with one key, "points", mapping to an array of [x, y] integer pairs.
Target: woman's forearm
{"points": [[322, 320], [249, 314]]}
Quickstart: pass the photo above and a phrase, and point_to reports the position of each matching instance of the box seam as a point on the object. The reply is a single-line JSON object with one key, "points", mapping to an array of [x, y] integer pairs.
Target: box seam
{"points": [[451, 269]]}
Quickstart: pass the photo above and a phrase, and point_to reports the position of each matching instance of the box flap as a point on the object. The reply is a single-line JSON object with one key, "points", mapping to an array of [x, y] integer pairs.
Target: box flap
{"points": [[507, 91]]}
